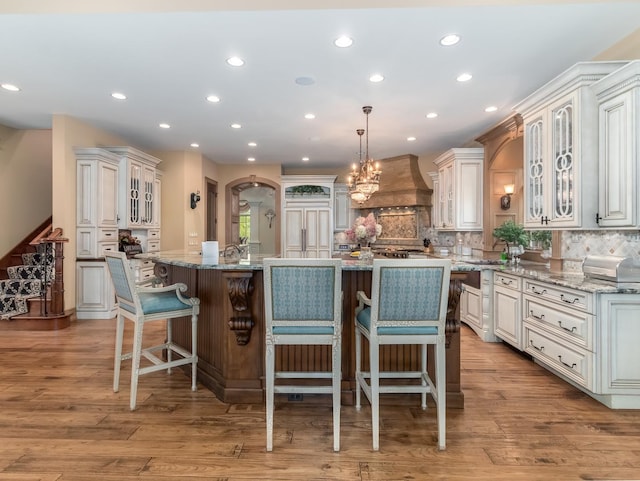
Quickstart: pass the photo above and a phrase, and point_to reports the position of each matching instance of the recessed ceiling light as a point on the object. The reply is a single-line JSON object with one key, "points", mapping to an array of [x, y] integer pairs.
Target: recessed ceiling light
{"points": [[236, 126], [119, 96], [376, 77], [432, 115], [213, 99], [465, 77], [450, 39], [164, 126], [251, 159], [343, 41], [411, 139], [195, 146], [235, 61], [491, 108], [252, 144], [10, 87], [305, 159], [309, 116], [304, 81]]}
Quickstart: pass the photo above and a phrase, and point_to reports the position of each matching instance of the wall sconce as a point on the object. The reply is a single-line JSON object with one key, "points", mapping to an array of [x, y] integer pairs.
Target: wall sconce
{"points": [[195, 198], [505, 200], [270, 214]]}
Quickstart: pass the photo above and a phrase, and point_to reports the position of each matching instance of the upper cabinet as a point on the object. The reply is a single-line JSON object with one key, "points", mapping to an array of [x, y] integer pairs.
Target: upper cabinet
{"points": [[561, 149], [618, 97], [458, 204], [343, 214], [138, 196], [97, 202]]}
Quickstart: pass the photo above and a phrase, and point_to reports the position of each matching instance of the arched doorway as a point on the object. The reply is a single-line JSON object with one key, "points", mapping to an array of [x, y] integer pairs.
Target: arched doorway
{"points": [[260, 199]]}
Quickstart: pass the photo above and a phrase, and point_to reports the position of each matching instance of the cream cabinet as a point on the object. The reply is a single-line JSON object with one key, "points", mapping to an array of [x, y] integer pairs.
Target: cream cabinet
{"points": [[343, 213], [459, 200], [137, 196], [308, 216], [475, 305], [97, 202], [618, 354], [618, 97], [507, 308], [560, 149], [436, 205], [559, 330]]}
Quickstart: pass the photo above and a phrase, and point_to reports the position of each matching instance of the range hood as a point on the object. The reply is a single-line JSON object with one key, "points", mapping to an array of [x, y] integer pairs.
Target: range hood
{"points": [[401, 185]]}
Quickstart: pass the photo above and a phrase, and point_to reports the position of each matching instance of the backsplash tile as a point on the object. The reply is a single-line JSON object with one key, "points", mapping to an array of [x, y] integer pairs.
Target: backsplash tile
{"points": [[576, 245]]}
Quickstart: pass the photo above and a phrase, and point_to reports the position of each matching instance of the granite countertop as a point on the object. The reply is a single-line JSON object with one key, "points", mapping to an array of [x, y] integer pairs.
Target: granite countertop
{"points": [[526, 269]]}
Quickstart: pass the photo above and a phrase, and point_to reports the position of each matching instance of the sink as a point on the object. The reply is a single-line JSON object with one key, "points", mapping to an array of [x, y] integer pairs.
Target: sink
{"points": [[483, 262]]}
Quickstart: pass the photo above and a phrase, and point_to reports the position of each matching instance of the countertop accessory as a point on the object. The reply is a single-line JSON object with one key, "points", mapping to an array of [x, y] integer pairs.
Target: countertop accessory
{"points": [[612, 268]]}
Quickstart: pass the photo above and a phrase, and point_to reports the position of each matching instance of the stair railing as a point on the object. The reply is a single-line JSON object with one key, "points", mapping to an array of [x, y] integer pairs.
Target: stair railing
{"points": [[50, 243]]}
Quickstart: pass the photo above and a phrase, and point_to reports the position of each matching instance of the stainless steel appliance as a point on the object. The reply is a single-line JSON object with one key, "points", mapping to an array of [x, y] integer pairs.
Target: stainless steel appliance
{"points": [[612, 268]]}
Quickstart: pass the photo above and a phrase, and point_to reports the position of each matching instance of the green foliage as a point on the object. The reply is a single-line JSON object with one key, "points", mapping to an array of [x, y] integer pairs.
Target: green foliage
{"points": [[511, 234], [543, 237]]}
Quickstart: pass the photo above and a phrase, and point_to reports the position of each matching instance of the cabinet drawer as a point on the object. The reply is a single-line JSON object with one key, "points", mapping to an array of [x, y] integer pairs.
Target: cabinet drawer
{"points": [[566, 323], [107, 247], [565, 296], [153, 234], [153, 246], [506, 280], [574, 363], [108, 235]]}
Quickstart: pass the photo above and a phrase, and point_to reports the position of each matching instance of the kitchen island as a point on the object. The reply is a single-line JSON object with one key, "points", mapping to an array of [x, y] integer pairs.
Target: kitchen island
{"points": [[231, 327]]}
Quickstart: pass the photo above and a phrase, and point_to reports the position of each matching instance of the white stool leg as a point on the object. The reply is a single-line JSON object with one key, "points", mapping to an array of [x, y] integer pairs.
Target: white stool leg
{"points": [[441, 387], [169, 339], [358, 340], [118, 354], [337, 375], [423, 371], [135, 362], [194, 352], [269, 392], [374, 361]]}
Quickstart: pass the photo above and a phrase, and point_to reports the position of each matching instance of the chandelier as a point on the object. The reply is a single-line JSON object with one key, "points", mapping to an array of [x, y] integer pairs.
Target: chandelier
{"points": [[364, 179]]}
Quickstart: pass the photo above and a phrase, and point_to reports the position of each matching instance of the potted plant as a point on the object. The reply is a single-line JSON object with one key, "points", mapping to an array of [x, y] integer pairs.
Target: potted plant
{"points": [[511, 234], [541, 238]]}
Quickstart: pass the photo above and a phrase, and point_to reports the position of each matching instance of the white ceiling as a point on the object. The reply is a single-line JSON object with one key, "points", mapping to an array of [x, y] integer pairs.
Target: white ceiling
{"points": [[167, 63]]}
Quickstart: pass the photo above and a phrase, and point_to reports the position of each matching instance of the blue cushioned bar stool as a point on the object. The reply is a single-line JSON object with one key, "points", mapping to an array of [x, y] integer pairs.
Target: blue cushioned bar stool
{"points": [[146, 304], [303, 306], [408, 305]]}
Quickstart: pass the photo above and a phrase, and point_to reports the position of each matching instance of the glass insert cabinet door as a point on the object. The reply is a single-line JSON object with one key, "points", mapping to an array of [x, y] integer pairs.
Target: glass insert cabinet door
{"points": [[550, 167]]}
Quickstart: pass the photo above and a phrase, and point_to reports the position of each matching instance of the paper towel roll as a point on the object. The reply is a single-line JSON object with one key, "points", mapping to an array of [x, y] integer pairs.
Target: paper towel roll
{"points": [[210, 251]]}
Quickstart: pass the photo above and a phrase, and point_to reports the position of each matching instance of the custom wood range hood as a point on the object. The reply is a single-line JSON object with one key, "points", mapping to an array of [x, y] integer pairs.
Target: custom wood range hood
{"points": [[402, 205], [401, 185]]}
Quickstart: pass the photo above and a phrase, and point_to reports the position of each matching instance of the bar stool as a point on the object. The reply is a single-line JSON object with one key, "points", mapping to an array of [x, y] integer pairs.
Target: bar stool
{"points": [[147, 304]]}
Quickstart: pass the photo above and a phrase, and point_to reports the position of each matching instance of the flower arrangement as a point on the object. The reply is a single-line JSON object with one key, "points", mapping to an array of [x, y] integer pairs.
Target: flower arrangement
{"points": [[364, 231], [125, 238]]}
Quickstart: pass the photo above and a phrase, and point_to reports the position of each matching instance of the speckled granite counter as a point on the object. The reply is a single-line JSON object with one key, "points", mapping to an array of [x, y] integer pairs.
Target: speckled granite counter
{"points": [[528, 270]]}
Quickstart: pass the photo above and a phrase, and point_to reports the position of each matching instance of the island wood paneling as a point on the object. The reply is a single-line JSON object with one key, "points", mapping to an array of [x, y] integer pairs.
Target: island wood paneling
{"points": [[235, 372]]}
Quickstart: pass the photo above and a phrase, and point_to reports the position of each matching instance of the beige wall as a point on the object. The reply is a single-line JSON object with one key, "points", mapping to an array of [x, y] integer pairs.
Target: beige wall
{"points": [[25, 183], [67, 133]]}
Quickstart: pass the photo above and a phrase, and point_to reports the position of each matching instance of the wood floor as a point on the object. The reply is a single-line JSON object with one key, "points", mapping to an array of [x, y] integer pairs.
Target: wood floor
{"points": [[60, 420]]}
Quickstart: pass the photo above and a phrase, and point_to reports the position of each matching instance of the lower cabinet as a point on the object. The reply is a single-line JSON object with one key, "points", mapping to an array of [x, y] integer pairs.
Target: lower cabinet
{"points": [[475, 302], [95, 297], [619, 356], [507, 308]]}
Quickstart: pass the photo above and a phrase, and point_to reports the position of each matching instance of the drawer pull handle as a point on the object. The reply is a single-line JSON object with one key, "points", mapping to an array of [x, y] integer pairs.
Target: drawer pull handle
{"points": [[570, 366], [573, 328], [535, 291], [506, 283], [568, 301], [540, 317], [541, 348], [108, 234]]}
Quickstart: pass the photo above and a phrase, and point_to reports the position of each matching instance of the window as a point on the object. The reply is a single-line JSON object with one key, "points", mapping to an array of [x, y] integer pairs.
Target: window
{"points": [[245, 226]]}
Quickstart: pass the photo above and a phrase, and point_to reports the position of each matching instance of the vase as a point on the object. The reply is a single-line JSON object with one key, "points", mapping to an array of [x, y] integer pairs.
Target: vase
{"points": [[365, 253]]}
